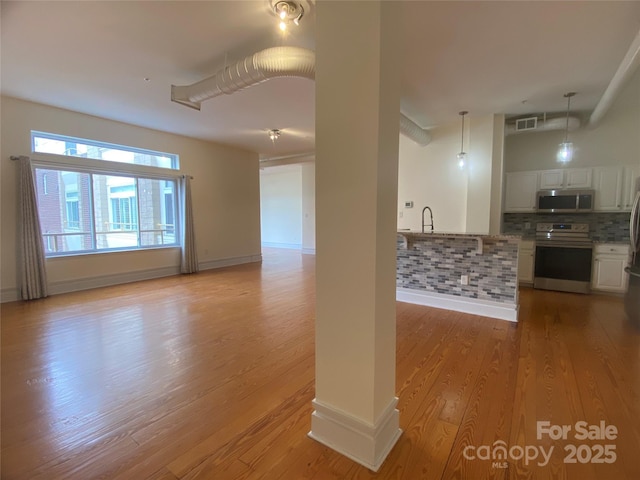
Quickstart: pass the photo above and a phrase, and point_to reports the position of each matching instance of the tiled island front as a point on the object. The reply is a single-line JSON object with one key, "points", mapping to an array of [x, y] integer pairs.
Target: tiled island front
{"points": [[431, 267]]}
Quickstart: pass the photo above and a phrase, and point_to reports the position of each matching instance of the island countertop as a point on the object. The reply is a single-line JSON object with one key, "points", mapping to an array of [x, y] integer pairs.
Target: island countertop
{"points": [[410, 237], [436, 234]]}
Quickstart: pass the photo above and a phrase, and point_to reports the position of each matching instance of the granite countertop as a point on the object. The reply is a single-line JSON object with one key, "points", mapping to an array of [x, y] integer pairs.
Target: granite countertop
{"points": [[600, 242], [595, 242], [416, 234]]}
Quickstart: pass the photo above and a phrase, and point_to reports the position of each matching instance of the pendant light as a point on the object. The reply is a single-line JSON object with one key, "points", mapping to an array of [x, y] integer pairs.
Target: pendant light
{"points": [[462, 156], [565, 149]]}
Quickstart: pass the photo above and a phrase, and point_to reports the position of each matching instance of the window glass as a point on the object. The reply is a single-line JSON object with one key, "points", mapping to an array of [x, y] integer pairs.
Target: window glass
{"points": [[77, 147], [116, 211], [64, 208], [157, 212], [84, 212]]}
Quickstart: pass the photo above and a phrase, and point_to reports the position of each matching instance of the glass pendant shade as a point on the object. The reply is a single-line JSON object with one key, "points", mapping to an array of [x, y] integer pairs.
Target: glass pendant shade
{"points": [[565, 149], [565, 152], [462, 160]]}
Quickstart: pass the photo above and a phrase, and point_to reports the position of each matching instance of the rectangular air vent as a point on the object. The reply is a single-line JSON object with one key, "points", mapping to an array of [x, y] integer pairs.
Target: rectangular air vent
{"points": [[524, 124]]}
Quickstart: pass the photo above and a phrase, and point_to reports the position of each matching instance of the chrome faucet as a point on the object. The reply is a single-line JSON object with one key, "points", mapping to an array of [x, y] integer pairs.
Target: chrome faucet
{"points": [[431, 214]]}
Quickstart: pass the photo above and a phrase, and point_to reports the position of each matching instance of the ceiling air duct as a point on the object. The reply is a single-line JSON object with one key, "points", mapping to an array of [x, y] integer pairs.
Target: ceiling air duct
{"points": [[261, 66], [550, 124]]}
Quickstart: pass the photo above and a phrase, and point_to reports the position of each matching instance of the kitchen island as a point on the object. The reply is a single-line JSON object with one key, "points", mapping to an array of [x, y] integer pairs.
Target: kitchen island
{"points": [[471, 273]]}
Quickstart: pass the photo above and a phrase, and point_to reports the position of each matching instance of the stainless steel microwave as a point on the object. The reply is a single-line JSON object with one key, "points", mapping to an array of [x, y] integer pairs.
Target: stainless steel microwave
{"points": [[565, 201]]}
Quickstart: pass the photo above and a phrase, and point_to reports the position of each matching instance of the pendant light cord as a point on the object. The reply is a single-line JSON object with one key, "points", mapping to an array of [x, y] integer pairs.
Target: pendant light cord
{"points": [[462, 114], [566, 131]]}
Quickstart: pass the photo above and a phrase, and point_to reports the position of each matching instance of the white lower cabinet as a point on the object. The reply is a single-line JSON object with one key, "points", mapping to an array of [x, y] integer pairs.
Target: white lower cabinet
{"points": [[526, 256], [609, 262]]}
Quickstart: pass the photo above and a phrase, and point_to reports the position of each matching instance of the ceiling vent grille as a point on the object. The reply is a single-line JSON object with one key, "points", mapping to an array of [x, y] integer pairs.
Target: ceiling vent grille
{"points": [[524, 124]]}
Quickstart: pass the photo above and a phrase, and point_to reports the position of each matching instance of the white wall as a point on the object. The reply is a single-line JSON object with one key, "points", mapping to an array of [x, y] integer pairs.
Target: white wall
{"points": [[461, 200], [614, 141], [430, 176], [308, 208], [480, 153], [281, 206], [225, 197], [497, 175]]}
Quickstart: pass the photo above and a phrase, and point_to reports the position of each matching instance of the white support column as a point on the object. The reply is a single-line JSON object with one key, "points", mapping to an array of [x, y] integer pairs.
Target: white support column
{"points": [[357, 104]]}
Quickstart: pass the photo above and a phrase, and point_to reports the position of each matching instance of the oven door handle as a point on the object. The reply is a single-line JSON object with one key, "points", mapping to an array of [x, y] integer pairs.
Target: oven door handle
{"points": [[632, 271], [563, 245]]}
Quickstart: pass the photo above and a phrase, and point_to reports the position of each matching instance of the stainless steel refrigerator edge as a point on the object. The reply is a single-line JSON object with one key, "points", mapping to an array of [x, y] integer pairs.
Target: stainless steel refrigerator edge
{"points": [[632, 297]]}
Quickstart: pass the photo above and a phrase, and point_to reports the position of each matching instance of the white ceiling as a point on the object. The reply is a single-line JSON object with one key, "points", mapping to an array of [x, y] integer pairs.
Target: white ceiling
{"points": [[484, 57]]}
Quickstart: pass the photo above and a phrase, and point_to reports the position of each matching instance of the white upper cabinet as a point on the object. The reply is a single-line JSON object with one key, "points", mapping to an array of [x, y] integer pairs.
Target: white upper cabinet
{"points": [[550, 179], [520, 192], [578, 178], [614, 186], [631, 173], [565, 178], [608, 189]]}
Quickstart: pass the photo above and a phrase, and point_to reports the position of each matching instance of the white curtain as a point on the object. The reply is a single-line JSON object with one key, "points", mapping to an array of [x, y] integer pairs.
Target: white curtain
{"points": [[189, 257], [32, 266]]}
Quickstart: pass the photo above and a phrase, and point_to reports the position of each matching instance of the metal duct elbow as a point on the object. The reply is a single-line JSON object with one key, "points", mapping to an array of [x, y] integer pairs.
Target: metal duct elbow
{"points": [[412, 130], [257, 68], [261, 66]]}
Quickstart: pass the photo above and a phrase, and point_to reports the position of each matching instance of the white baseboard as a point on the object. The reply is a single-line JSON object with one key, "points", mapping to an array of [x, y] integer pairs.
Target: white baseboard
{"points": [[363, 443], [292, 246], [503, 311], [309, 251], [87, 283], [9, 295], [229, 262]]}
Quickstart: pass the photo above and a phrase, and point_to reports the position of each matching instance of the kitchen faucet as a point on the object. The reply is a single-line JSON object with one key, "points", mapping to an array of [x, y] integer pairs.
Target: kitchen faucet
{"points": [[431, 214]]}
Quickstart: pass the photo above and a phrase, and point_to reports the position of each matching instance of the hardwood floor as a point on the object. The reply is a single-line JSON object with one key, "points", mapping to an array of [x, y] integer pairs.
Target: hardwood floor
{"points": [[211, 376]]}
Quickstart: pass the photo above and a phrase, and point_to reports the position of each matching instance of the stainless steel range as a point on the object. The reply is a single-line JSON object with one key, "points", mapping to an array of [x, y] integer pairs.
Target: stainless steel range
{"points": [[563, 257]]}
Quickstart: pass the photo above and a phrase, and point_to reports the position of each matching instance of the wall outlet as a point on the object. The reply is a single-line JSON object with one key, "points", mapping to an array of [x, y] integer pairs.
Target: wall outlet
{"points": [[464, 279], [401, 214]]}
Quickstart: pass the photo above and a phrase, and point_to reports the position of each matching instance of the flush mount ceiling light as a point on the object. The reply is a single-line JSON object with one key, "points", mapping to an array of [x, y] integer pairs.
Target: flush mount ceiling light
{"points": [[565, 149], [462, 156], [288, 11], [274, 134]]}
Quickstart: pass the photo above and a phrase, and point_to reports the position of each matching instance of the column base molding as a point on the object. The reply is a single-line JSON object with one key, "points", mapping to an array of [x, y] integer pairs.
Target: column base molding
{"points": [[363, 443]]}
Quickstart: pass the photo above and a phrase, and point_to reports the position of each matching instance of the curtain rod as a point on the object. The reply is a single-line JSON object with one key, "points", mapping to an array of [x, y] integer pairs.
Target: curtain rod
{"points": [[17, 157]]}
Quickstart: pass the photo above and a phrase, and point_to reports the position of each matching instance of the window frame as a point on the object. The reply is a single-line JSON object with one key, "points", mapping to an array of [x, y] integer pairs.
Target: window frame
{"points": [[175, 159], [88, 166]]}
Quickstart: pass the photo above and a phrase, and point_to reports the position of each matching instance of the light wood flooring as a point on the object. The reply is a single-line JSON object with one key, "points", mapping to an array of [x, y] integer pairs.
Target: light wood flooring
{"points": [[211, 376]]}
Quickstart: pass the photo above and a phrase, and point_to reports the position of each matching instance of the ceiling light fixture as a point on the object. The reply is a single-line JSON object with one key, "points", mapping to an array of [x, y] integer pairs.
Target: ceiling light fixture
{"points": [[274, 134], [462, 156], [288, 11], [565, 149]]}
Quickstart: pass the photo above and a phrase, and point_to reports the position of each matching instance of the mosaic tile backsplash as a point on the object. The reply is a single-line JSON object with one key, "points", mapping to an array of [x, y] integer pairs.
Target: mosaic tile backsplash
{"points": [[435, 266], [604, 227]]}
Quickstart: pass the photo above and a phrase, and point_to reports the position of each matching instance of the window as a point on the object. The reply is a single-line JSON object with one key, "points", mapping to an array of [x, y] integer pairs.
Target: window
{"points": [[83, 211], [79, 147], [73, 211]]}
